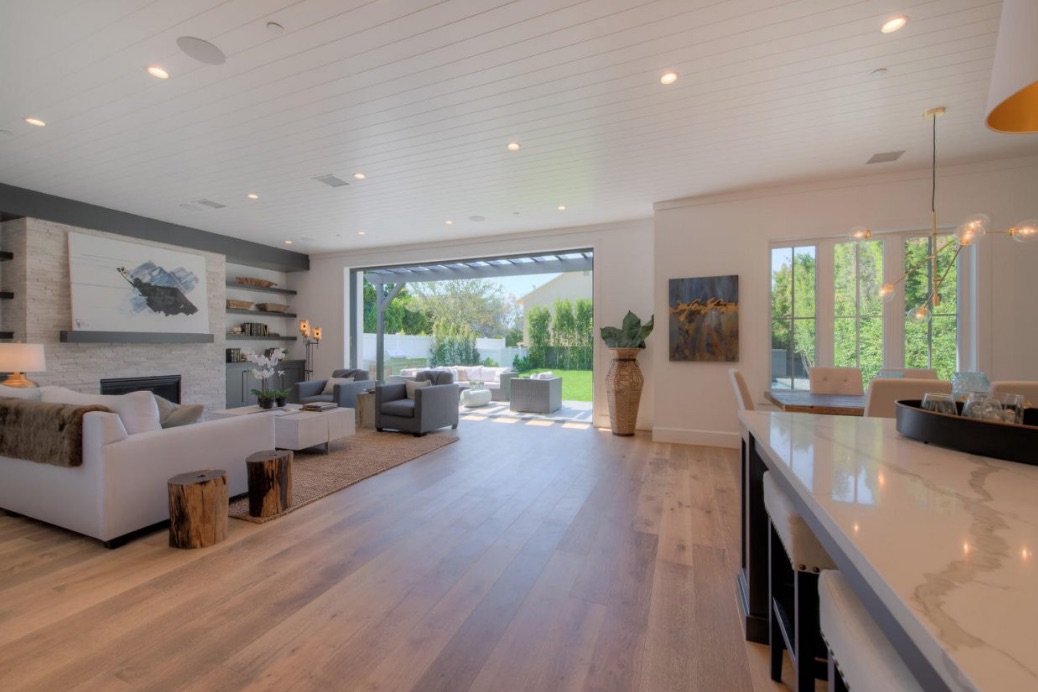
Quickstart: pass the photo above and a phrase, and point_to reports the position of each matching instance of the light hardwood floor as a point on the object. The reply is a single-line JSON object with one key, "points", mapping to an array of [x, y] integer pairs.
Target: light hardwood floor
{"points": [[523, 557]]}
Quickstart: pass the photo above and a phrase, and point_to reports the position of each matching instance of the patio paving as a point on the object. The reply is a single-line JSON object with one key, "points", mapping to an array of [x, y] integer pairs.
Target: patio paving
{"points": [[571, 412]]}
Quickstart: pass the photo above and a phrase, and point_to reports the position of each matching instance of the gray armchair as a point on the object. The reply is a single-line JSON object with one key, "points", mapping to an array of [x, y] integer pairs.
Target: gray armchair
{"points": [[344, 395], [434, 406]]}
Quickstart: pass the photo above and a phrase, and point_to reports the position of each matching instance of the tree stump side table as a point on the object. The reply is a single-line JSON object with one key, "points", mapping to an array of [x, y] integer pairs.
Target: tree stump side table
{"points": [[270, 482], [197, 508]]}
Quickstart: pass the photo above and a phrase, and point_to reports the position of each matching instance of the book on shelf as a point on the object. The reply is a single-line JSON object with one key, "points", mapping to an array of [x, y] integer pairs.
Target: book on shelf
{"points": [[320, 406]]}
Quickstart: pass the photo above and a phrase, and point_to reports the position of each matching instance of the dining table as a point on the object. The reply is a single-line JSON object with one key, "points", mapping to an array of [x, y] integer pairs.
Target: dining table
{"points": [[800, 401], [939, 545]]}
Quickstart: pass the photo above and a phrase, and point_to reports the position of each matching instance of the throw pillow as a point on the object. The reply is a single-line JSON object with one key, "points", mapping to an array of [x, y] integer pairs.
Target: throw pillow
{"points": [[461, 374], [329, 385], [411, 386], [543, 376], [30, 393], [173, 415], [137, 410]]}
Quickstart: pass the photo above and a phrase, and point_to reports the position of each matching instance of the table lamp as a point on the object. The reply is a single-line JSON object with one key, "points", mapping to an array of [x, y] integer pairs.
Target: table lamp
{"points": [[19, 358]]}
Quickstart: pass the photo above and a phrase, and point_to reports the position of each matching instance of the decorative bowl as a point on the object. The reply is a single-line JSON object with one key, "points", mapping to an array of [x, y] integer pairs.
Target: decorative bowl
{"points": [[250, 281], [272, 307], [239, 304]]}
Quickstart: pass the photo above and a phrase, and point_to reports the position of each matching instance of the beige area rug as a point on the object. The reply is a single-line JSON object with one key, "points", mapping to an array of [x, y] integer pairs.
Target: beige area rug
{"points": [[368, 453]]}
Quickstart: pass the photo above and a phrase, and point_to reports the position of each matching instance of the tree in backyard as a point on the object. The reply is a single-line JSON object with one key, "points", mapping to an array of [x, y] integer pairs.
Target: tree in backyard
{"points": [[583, 317], [563, 332], [539, 321], [793, 311], [478, 304], [402, 314]]}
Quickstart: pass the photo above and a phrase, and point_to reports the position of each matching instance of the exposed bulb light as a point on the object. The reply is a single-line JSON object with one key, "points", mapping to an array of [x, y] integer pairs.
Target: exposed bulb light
{"points": [[668, 77], [860, 233], [894, 24], [887, 293], [157, 72], [1025, 231], [252, 195], [562, 207], [513, 146], [35, 121], [972, 228], [359, 176], [919, 314]]}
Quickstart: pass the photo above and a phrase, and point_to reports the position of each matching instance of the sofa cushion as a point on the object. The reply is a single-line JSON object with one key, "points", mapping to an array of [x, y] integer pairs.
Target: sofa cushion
{"points": [[173, 415], [462, 374], [329, 384], [411, 386], [137, 410], [401, 408], [30, 393]]}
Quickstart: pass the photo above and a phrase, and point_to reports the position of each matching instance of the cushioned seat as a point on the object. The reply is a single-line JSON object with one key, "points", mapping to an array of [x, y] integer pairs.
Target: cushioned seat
{"points": [[401, 407], [342, 388], [825, 380], [858, 648], [427, 403], [795, 557]]}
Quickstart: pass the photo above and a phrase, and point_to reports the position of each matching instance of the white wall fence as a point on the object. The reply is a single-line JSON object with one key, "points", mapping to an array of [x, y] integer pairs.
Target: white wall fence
{"points": [[419, 347]]}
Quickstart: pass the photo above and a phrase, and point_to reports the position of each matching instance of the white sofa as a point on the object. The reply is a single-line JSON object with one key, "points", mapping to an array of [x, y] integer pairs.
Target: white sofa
{"points": [[493, 378], [121, 485]]}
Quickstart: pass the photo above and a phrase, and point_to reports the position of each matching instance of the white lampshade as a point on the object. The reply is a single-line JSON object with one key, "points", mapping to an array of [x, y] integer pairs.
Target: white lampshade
{"points": [[19, 358], [1013, 93], [22, 358]]}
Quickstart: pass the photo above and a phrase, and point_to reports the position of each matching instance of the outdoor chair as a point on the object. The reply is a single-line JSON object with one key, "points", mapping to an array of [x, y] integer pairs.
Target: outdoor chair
{"points": [[343, 394], [536, 394], [408, 407]]}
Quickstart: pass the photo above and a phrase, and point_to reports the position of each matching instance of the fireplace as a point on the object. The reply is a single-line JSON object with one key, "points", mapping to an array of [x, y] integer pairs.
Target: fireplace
{"points": [[166, 386]]}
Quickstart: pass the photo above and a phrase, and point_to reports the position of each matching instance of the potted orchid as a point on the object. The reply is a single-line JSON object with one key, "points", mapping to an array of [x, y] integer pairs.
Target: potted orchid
{"points": [[266, 368]]}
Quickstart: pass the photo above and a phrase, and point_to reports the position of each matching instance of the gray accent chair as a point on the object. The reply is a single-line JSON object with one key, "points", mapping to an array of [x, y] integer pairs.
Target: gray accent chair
{"points": [[344, 395], [434, 406], [536, 396]]}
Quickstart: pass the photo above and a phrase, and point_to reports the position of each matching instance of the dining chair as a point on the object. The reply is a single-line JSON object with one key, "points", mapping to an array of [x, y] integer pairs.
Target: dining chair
{"points": [[880, 401], [1028, 388], [826, 380], [742, 392]]}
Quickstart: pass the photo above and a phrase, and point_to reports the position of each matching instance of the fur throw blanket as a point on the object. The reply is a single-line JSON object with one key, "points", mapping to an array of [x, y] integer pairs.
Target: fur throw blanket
{"points": [[47, 433]]}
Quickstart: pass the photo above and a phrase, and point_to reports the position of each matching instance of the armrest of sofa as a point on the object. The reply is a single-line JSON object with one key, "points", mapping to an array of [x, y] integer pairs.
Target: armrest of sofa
{"points": [[437, 406], [309, 388], [345, 395]]}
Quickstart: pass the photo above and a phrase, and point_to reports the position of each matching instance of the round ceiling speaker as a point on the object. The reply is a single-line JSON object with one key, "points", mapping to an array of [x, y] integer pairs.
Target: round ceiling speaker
{"points": [[200, 50]]}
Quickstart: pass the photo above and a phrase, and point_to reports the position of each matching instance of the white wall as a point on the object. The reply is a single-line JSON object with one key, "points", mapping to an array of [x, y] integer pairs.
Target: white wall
{"points": [[623, 280], [729, 234]]}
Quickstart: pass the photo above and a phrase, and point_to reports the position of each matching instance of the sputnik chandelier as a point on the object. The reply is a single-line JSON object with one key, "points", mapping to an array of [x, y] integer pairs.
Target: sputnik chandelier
{"points": [[975, 226]]}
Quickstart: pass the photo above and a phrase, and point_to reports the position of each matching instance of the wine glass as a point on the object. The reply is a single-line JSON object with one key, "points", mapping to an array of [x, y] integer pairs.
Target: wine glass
{"points": [[940, 402], [1012, 407]]}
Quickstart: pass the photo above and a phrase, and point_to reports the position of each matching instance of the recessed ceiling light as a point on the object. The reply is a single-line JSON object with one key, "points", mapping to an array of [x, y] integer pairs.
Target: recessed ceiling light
{"points": [[253, 195], [668, 77], [513, 146], [562, 207], [879, 72], [359, 176], [35, 121], [894, 24], [157, 72], [449, 222], [288, 242], [200, 50], [361, 233]]}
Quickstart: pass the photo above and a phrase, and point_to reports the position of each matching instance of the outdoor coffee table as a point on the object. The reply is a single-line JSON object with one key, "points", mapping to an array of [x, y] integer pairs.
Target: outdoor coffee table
{"points": [[296, 429]]}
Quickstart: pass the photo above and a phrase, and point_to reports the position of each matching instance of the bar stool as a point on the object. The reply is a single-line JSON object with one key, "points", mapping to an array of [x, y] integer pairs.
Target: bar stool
{"points": [[860, 656], [795, 559]]}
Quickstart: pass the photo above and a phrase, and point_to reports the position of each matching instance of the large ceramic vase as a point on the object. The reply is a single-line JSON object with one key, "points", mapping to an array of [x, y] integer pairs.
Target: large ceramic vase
{"points": [[624, 389]]}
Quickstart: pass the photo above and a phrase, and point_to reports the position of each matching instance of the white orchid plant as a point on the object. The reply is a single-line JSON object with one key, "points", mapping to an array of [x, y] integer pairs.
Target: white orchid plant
{"points": [[266, 368]]}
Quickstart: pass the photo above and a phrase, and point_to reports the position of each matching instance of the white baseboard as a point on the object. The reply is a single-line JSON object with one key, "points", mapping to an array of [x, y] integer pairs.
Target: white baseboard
{"points": [[706, 438]]}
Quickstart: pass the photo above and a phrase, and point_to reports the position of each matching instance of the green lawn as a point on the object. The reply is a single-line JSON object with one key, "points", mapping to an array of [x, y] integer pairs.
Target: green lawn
{"points": [[576, 384]]}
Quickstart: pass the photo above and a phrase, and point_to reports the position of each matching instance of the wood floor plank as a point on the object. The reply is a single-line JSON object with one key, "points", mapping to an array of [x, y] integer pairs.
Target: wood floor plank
{"points": [[535, 558]]}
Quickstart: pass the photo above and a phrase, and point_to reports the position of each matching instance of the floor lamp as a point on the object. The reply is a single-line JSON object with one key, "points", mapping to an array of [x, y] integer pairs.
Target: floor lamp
{"points": [[311, 339]]}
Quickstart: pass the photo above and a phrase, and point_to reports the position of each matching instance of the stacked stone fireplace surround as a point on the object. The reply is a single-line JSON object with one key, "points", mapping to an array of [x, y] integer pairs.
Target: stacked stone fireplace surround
{"points": [[42, 307]]}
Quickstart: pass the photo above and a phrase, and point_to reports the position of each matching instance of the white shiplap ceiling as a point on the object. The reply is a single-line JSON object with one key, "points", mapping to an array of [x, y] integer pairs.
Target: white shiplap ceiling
{"points": [[423, 95]]}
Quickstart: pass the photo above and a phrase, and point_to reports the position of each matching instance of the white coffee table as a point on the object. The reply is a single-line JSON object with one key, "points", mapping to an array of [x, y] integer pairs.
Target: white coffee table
{"points": [[296, 429]]}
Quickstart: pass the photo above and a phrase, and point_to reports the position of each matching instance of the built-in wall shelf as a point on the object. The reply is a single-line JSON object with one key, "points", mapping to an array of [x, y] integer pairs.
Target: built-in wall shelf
{"points": [[261, 289], [242, 337], [6, 295], [5, 256], [260, 313], [84, 337]]}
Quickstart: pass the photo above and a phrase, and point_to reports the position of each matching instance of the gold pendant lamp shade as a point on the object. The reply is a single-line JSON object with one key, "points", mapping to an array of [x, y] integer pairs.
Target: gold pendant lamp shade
{"points": [[1013, 94]]}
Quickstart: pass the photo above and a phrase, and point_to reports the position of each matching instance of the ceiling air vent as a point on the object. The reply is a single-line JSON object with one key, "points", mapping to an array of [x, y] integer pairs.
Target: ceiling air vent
{"points": [[885, 157], [210, 203], [332, 180]]}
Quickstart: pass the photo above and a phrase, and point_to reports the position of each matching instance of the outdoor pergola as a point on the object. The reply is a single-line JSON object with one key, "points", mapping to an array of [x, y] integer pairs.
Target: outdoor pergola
{"points": [[389, 281]]}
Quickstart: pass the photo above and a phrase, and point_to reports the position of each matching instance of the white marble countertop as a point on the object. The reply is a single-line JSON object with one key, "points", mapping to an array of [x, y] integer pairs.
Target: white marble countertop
{"points": [[946, 540]]}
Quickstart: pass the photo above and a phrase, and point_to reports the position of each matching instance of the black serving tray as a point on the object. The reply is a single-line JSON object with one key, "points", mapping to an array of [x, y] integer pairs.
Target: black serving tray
{"points": [[999, 440]]}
